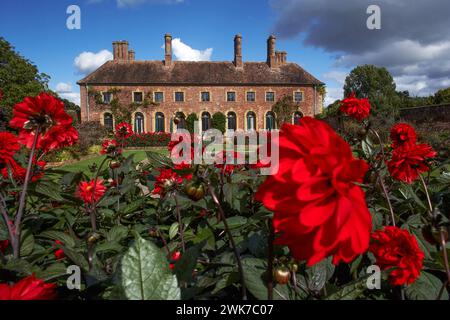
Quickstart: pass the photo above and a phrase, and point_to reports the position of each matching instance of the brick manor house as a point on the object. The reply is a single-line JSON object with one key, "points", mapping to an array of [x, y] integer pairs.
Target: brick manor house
{"points": [[243, 91]]}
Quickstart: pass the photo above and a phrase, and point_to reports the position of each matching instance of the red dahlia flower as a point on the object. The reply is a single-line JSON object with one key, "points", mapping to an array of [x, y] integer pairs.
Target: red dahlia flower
{"points": [[319, 210], [9, 144], [396, 248], [409, 161], [29, 288], [110, 147], [355, 108], [166, 180], [92, 191], [402, 134], [59, 253], [124, 130], [18, 172], [47, 113]]}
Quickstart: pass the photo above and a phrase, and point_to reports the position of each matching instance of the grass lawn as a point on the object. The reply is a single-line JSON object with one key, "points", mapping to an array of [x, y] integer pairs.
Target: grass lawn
{"points": [[82, 165]]}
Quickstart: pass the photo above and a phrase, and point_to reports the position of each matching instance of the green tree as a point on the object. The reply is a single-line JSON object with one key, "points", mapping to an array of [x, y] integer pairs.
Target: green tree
{"points": [[442, 96], [218, 121], [284, 108], [19, 78], [376, 84], [191, 118]]}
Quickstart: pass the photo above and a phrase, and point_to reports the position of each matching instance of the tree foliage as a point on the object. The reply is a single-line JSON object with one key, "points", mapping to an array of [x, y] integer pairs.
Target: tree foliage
{"points": [[190, 122], [218, 121], [284, 108]]}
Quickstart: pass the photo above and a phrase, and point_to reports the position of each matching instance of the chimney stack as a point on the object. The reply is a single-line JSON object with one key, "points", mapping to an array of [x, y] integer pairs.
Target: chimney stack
{"points": [[283, 57], [271, 57], [238, 51], [131, 55], [168, 50], [120, 50]]}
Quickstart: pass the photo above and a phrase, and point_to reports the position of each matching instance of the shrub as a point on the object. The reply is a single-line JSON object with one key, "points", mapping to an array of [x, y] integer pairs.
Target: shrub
{"points": [[218, 121], [191, 118], [90, 133]]}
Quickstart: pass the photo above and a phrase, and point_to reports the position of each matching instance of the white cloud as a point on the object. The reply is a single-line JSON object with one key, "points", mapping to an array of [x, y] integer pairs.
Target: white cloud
{"points": [[87, 62], [64, 90], [337, 76], [333, 94], [183, 52]]}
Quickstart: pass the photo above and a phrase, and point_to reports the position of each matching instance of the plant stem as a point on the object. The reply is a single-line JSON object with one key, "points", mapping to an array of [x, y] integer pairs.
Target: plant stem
{"points": [[233, 244], [443, 241], [386, 195], [20, 210], [270, 262], [180, 223]]}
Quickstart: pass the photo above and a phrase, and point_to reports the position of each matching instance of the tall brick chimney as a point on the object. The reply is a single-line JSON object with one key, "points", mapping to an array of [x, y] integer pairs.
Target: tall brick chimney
{"points": [[168, 49], [238, 51], [120, 50], [131, 55], [271, 57]]}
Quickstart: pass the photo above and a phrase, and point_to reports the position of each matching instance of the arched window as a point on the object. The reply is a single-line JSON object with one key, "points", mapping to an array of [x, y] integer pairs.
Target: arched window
{"points": [[206, 121], [182, 120], [270, 121], [159, 122], [138, 122], [297, 116], [108, 121], [231, 120], [251, 121]]}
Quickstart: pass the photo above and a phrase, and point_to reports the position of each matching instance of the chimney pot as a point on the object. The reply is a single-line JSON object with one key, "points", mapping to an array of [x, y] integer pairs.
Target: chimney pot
{"points": [[131, 55]]}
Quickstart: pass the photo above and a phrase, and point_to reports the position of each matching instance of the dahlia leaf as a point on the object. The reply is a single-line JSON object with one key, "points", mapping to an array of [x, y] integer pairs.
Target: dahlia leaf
{"points": [[427, 287], [145, 273]]}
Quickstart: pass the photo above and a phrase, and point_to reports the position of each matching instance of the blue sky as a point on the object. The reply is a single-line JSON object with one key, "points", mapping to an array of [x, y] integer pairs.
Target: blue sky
{"points": [[327, 37], [38, 31]]}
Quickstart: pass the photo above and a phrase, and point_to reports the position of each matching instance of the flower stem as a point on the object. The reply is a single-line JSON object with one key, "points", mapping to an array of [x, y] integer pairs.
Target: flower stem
{"points": [[386, 195], [443, 241], [16, 243], [180, 223], [233, 244]]}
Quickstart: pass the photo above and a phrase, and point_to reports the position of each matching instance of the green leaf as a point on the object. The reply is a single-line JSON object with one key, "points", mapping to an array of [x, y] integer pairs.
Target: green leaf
{"points": [[173, 230], [254, 276], [54, 271], [67, 240], [351, 291], [145, 273], [49, 189], [233, 222], [158, 160], [26, 243], [427, 287], [319, 274], [117, 233], [187, 263]]}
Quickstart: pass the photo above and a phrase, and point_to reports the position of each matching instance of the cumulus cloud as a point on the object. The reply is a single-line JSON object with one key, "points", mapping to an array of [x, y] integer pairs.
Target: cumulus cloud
{"points": [[64, 90], [413, 43], [87, 62], [183, 52]]}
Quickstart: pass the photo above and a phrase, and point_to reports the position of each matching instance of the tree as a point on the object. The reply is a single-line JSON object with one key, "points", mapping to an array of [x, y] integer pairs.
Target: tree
{"points": [[442, 96], [284, 108], [190, 122], [19, 78], [218, 121], [376, 84]]}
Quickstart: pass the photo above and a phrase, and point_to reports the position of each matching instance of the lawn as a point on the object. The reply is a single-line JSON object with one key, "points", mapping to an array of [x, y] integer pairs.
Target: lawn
{"points": [[83, 165]]}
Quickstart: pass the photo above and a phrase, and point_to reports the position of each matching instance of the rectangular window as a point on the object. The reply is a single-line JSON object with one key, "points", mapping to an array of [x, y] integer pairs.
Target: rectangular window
{"points": [[206, 97], [250, 96], [231, 96], [179, 96], [159, 97], [298, 96], [107, 97], [270, 96], [138, 97]]}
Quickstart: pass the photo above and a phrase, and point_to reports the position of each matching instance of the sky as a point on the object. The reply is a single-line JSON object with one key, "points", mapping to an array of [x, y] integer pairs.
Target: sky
{"points": [[326, 37]]}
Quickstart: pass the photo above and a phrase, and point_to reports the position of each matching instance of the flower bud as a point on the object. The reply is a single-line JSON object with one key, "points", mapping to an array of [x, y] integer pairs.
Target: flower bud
{"points": [[282, 275]]}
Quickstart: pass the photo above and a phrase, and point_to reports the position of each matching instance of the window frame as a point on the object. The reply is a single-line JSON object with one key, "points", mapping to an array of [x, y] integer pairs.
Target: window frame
{"points": [[254, 95], [267, 92], [154, 96], [226, 96], [103, 96], [298, 91], [175, 96], [209, 96], [132, 97]]}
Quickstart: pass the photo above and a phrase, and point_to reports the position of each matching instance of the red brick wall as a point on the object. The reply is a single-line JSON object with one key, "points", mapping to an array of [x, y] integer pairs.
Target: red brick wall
{"points": [[192, 102]]}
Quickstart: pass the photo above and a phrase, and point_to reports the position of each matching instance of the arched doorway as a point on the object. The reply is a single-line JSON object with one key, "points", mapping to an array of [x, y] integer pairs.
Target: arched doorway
{"points": [[159, 122], [231, 121], [251, 121], [108, 121], [270, 121], [206, 121], [297, 116], [138, 122]]}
